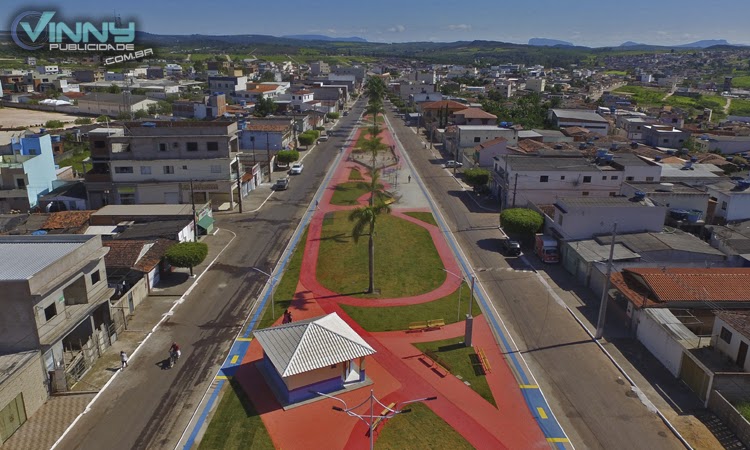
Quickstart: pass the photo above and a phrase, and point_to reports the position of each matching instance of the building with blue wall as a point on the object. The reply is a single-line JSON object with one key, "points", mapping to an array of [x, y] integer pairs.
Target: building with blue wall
{"points": [[27, 171]]}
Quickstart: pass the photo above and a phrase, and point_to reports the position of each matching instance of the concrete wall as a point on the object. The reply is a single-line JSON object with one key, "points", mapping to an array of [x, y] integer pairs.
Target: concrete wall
{"points": [[584, 223], [314, 376], [733, 346], [468, 137], [660, 343], [30, 379], [730, 416]]}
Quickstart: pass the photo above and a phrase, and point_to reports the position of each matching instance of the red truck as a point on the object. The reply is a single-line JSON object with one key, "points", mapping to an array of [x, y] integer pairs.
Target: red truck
{"points": [[545, 248]]}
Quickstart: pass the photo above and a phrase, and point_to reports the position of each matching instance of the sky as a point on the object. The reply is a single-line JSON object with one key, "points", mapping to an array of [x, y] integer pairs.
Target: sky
{"points": [[592, 23]]}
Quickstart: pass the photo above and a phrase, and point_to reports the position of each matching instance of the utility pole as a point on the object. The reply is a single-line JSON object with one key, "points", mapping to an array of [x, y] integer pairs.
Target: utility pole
{"points": [[268, 153], [506, 186], [192, 202], [239, 182], [458, 145], [605, 294], [515, 187]]}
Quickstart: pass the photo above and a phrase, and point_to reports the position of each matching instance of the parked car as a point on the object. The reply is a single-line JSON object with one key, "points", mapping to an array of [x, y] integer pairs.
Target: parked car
{"points": [[282, 184], [510, 247], [451, 163], [282, 165], [323, 138], [296, 168], [346, 113]]}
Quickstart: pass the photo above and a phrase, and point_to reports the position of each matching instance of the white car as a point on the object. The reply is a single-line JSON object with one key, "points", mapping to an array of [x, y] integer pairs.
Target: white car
{"points": [[296, 168], [452, 163]]}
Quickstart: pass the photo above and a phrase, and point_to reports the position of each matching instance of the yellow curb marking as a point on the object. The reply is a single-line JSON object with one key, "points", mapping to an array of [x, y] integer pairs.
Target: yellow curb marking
{"points": [[235, 358], [542, 414], [528, 386]]}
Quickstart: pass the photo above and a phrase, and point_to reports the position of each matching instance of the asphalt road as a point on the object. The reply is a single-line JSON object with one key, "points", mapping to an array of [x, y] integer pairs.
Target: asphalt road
{"points": [[593, 404], [147, 407]]}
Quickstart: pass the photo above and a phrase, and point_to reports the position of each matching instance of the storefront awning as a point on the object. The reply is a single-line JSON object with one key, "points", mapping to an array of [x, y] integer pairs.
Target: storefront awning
{"points": [[207, 222]]}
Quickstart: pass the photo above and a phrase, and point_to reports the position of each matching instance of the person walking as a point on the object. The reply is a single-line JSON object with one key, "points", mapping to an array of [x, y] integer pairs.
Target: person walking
{"points": [[409, 179], [123, 360]]}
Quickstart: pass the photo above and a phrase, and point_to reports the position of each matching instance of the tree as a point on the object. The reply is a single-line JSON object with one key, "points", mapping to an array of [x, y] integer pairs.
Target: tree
{"points": [[305, 139], [268, 76], [521, 221], [114, 89], [375, 88], [102, 118], [287, 156], [477, 178], [265, 107], [333, 115], [187, 254], [365, 218]]}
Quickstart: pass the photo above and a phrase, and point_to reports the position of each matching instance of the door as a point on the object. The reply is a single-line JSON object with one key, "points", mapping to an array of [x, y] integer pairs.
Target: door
{"points": [[742, 354], [12, 416]]}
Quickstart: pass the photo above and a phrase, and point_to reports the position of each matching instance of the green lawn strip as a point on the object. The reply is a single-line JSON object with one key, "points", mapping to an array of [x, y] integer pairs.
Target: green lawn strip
{"points": [[739, 107], [420, 428], [616, 72], [461, 361], [348, 193], [355, 175], [235, 424], [744, 409], [75, 160], [741, 82], [425, 217], [287, 287], [406, 260], [713, 102], [399, 317]]}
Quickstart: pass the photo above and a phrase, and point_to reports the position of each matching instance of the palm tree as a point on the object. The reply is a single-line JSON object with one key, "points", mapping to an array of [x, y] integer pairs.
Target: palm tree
{"points": [[365, 217], [375, 108], [374, 88]]}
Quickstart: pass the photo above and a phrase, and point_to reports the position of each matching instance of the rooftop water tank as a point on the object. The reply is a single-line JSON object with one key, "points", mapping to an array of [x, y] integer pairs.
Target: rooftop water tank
{"points": [[639, 195], [694, 215]]}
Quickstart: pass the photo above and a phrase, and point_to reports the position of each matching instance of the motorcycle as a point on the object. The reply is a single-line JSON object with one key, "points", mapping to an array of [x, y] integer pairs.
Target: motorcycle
{"points": [[173, 357]]}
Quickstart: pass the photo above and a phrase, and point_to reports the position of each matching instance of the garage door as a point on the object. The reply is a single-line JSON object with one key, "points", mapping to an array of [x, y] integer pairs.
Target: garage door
{"points": [[12, 416]]}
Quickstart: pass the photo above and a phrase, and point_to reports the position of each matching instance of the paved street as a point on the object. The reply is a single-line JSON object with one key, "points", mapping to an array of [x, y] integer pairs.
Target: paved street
{"points": [[149, 407], [593, 403]]}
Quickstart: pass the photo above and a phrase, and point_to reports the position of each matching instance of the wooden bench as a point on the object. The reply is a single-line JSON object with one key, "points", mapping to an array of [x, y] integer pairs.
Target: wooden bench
{"points": [[483, 359], [414, 326], [436, 323], [382, 413]]}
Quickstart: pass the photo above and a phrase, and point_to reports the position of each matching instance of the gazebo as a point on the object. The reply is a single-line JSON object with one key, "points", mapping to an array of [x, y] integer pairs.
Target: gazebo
{"points": [[322, 354]]}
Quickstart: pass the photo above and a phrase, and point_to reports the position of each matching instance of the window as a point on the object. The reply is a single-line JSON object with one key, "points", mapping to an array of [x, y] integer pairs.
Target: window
{"points": [[20, 183], [145, 170], [585, 193], [614, 177], [32, 151], [212, 146], [562, 177], [215, 168], [649, 178], [613, 194], [192, 146], [666, 141], [543, 179], [252, 138], [127, 199], [587, 179], [726, 335], [95, 277], [124, 169], [50, 312], [99, 144], [604, 177], [477, 139], [724, 206], [168, 170], [162, 147], [628, 178]]}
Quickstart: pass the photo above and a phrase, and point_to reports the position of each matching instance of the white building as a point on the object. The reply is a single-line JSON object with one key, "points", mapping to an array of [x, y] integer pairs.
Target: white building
{"points": [[227, 85], [584, 118], [536, 84], [585, 217], [728, 145], [732, 200], [731, 336], [113, 105], [671, 195], [469, 136]]}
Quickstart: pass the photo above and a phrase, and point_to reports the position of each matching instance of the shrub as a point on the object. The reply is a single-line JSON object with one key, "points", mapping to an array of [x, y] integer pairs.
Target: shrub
{"points": [[476, 177], [53, 124], [333, 115], [287, 156], [102, 118], [521, 221], [306, 139], [83, 121], [187, 254]]}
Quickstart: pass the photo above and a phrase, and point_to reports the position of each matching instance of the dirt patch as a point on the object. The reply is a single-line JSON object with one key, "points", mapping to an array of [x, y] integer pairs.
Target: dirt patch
{"points": [[16, 117]]}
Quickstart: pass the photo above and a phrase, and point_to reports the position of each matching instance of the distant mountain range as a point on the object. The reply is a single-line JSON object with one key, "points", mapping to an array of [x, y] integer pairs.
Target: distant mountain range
{"points": [[544, 42], [697, 44], [320, 37]]}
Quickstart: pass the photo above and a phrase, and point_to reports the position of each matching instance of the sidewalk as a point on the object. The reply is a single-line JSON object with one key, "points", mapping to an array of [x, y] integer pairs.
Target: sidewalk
{"points": [[43, 429]]}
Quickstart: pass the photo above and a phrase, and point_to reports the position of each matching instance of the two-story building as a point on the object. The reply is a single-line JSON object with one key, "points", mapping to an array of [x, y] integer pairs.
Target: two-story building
{"points": [[56, 301], [27, 171], [732, 200], [272, 134], [473, 116], [664, 136], [227, 85], [164, 162], [521, 179]]}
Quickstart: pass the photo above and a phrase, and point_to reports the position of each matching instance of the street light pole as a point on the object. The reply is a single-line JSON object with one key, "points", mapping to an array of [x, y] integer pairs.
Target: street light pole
{"points": [[270, 277], [458, 315], [370, 419], [605, 295]]}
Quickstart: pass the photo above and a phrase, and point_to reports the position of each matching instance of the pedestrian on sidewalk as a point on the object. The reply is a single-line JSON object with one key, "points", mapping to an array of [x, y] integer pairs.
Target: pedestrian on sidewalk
{"points": [[123, 360], [409, 179], [316, 204]]}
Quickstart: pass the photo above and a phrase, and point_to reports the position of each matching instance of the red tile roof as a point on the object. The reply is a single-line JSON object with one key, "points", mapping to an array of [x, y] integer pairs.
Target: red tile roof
{"points": [[491, 143], [570, 131], [442, 104], [67, 219], [154, 255], [123, 254], [475, 113], [657, 287]]}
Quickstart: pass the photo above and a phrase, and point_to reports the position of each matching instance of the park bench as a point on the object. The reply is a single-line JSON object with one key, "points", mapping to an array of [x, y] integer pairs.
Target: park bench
{"points": [[483, 359], [382, 413], [421, 325], [436, 323]]}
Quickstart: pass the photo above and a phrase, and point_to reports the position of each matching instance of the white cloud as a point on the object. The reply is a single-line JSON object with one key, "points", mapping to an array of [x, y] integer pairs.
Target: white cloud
{"points": [[397, 29], [459, 27], [331, 30]]}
